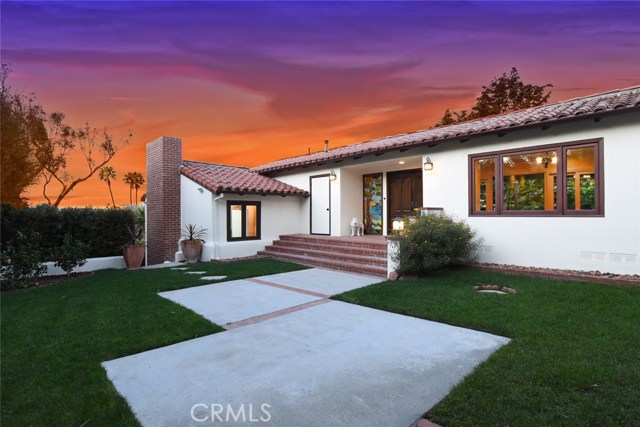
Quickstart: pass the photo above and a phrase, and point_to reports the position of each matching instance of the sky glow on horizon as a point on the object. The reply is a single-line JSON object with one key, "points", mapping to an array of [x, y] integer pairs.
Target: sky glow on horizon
{"points": [[245, 83]]}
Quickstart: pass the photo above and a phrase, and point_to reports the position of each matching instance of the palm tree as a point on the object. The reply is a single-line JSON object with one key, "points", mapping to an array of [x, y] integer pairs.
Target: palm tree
{"points": [[129, 179], [107, 173], [138, 181]]}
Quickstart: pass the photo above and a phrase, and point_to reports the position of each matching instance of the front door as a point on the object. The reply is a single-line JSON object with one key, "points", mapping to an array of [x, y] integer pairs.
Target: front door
{"points": [[404, 194], [320, 204]]}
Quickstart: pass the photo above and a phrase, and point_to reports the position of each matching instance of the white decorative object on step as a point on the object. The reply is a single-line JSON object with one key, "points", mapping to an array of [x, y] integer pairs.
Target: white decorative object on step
{"points": [[357, 227]]}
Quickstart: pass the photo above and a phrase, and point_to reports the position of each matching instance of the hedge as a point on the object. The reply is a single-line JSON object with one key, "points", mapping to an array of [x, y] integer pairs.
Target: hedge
{"points": [[104, 231]]}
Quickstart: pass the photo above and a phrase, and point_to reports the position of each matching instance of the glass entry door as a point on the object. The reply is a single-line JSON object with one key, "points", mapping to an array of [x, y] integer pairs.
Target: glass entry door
{"points": [[372, 192]]}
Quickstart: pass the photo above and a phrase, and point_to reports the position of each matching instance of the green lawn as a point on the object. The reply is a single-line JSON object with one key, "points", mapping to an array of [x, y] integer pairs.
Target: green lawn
{"points": [[574, 358], [54, 338]]}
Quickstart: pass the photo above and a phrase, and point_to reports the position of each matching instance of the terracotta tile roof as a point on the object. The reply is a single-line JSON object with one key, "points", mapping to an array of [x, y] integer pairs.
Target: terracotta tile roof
{"points": [[231, 179], [579, 108]]}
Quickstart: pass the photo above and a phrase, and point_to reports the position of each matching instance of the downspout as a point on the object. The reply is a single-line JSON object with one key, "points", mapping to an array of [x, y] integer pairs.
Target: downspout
{"points": [[146, 257], [215, 224]]}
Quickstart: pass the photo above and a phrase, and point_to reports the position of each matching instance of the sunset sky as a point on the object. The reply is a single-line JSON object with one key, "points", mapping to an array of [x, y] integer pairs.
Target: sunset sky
{"points": [[245, 83]]}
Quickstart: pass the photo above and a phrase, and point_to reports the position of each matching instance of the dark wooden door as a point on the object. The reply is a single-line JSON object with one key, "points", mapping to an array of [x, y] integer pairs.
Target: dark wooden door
{"points": [[404, 194]]}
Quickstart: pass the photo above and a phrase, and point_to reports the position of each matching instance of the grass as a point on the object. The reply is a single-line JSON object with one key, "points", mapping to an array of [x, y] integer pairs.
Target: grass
{"points": [[54, 338], [574, 358]]}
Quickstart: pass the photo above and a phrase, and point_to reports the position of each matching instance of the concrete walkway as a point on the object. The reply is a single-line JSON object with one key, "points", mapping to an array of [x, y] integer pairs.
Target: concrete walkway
{"points": [[314, 362]]}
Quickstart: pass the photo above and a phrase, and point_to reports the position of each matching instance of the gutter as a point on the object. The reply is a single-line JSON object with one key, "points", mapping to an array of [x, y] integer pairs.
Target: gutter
{"points": [[215, 223]]}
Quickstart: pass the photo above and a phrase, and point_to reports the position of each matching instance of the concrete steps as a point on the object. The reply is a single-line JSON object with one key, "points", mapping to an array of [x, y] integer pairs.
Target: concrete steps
{"points": [[365, 255]]}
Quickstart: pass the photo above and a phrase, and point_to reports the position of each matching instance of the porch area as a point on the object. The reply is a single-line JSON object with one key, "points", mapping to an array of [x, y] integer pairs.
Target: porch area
{"points": [[363, 254]]}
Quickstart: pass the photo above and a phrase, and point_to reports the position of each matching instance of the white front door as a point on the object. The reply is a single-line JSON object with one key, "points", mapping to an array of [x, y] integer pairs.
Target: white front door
{"points": [[320, 205]]}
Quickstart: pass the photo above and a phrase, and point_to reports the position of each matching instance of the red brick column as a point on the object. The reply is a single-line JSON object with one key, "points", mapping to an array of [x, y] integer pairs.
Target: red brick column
{"points": [[164, 156]]}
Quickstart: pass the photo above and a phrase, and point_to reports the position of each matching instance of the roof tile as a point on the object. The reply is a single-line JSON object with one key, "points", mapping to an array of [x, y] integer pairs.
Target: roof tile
{"points": [[231, 179], [609, 102]]}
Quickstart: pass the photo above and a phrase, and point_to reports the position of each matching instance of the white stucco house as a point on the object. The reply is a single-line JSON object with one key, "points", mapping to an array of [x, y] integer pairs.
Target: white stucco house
{"points": [[555, 186]]}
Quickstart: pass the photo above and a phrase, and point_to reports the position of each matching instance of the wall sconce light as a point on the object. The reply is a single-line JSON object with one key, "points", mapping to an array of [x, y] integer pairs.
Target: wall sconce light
{"points": [[333, 176], [428, 164], [397, 225]]}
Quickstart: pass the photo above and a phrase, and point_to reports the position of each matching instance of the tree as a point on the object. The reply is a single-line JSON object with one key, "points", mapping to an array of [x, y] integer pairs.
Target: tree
{"points": [[107, 173], [23, 125], [36, 147], [504, 94], [97, 148], [129, 179], [138, 182], [135, 180]]}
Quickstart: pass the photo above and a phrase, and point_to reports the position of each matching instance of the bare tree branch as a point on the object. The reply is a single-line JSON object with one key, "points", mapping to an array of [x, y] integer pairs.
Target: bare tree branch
{"points": [[97, 148]]}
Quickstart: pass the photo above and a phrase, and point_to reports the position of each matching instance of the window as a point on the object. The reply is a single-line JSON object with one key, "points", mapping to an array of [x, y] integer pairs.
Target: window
{"points": [[243, 220], [562, 179]]}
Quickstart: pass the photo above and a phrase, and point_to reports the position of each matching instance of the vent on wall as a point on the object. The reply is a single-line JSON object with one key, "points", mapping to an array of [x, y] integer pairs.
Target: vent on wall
{"points": [[613, 257], [596, 256], [624, 258], [484, 249]]}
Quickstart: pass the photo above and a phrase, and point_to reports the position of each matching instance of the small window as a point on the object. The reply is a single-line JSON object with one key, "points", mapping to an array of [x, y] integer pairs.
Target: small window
{"points": [[243, 220], [562, 179], [485, 184]]}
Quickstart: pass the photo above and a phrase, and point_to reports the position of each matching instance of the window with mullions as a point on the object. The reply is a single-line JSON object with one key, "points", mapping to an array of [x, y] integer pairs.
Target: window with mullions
{"points": [[243, 220], [562, 179]]}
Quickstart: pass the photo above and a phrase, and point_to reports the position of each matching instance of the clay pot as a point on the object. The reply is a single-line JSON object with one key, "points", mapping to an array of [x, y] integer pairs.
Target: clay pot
{"points": [[133, 256], [191, 249]]}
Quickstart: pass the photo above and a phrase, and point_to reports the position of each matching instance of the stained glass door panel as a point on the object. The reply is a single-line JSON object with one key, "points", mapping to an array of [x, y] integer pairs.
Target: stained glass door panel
{"points": [[372, 203]]}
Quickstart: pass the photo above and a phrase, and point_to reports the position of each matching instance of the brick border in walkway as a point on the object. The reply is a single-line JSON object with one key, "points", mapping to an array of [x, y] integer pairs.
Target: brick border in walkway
{"points": [[263, 317], [287, 288]]}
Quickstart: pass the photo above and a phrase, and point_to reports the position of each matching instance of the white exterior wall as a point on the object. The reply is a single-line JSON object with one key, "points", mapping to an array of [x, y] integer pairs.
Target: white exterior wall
{"points": [[609, 244], [93, 264], [346, 190], [351, 200], [301, 180], [279, 215], [196, 208]]}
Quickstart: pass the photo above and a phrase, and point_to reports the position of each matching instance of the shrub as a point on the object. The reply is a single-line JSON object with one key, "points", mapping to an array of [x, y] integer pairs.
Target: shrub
{"points": [[433, 242], [71, 254], [103, 230], [21, 262]]}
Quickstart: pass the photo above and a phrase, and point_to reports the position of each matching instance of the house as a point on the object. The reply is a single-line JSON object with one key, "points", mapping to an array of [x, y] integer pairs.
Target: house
{"points": [[555, 186]]}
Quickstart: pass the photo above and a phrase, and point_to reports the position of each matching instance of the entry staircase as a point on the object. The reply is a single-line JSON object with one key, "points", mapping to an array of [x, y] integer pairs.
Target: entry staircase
{"points": [[364, 254]]}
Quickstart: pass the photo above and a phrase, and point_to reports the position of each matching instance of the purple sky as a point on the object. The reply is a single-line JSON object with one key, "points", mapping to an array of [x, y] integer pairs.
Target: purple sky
{"points": [[249, 82]]}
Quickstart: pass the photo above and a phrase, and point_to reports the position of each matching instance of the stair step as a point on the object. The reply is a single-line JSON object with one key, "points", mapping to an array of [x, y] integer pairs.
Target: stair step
{"points": [[332, 264], [379, 260], [323, 247], [373, 242]]}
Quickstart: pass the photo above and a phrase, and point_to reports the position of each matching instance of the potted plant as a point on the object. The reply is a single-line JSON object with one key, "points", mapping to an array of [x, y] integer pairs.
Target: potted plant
{"points": [[133, 252], [191, 244]]}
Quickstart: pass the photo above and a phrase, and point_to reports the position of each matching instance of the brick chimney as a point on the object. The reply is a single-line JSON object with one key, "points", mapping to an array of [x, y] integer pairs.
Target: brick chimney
{"points": [[164, 156]]}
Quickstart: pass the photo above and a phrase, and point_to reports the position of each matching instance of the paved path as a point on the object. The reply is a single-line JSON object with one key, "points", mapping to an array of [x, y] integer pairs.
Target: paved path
{"points": [[294, 358]]}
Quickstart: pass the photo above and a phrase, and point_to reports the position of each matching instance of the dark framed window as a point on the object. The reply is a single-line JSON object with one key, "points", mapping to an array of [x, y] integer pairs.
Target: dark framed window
{"points": [[551, 180], [243, 220]]}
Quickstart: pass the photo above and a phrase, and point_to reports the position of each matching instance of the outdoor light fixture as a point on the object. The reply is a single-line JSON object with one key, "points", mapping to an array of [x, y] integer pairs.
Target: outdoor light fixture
{"points": [[397, 225], [428, 164], [333, 176]]}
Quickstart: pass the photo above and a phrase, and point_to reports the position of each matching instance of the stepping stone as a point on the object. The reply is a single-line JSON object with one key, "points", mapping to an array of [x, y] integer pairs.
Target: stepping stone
{"points": [[213, 277], [180, 268], [195, 272]]}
